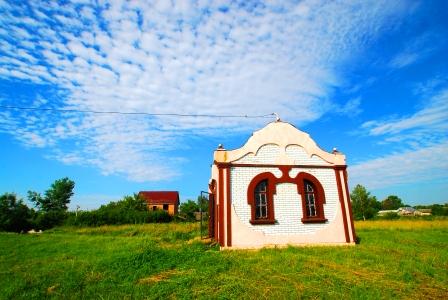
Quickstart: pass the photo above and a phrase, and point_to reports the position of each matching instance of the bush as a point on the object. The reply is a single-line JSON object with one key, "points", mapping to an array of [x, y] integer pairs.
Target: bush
{"points": [[130, 210], [159, 216], [439, 210], [98, 218], [187, 210], [50, 219], [390, 216], [14, 214]]}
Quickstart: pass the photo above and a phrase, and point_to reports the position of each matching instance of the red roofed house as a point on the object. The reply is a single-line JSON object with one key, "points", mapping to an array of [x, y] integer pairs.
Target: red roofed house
{"points": [[166, 200]]}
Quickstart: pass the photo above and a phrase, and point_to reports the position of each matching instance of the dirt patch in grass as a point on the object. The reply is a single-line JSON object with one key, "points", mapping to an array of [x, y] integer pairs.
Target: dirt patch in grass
{"points": [[52, 289], [162, 276]]}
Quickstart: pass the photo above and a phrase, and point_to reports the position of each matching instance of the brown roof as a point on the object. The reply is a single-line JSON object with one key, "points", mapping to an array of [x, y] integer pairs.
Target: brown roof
{"points": [[160, 197]]}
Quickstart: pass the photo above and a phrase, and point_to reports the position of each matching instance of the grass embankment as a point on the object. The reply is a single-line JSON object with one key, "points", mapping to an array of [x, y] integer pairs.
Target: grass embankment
{"points": [[395, 259]]}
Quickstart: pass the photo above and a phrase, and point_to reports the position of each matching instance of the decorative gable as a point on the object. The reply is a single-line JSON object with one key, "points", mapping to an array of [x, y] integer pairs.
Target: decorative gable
{"points": [[280, 143]]}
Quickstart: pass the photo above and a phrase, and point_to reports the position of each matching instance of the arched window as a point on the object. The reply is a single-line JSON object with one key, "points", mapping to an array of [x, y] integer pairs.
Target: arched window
{"points": [[310, 199], [313, 198], [260, 198]]}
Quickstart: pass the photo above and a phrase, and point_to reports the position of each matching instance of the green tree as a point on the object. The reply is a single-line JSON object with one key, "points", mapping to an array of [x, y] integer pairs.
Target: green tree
{"points": [[187, 209], [56, 198], [391, 202], [364, 205], [203, 203], [439, 210], [52, 207], [134, 202], [14, 214]]}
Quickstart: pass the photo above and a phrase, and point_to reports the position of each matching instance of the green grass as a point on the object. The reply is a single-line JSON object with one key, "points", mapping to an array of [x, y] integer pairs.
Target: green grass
{"points": [[395, 259]]}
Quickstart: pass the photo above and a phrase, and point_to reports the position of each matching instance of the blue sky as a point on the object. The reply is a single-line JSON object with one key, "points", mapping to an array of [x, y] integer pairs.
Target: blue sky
{"points": [[367, 77]]}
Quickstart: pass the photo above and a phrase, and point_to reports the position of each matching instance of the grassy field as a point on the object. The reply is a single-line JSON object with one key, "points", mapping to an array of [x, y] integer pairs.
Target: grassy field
{"points": [[395, 259]]}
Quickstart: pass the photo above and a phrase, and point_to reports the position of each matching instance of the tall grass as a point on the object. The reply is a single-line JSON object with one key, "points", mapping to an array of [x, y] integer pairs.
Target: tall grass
{"points": [[159, 261], [406, 223]]}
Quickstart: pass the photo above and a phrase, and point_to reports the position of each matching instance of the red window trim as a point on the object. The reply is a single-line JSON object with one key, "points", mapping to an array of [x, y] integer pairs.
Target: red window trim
{"points": [[319, 196], [271, 183]]}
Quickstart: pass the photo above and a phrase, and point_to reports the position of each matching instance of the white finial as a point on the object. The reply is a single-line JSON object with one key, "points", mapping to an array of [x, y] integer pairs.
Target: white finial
{"points": [[220, 147], [335, 150], [277, 118]]}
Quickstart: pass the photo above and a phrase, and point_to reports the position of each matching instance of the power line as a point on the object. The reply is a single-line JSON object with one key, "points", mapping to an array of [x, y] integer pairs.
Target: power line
{"points": [[135, 113]]}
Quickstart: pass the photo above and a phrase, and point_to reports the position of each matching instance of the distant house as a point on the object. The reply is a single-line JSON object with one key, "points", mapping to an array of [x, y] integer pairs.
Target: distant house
{"points": [[424, 211], [166, 200], [279, 188], [406, 211], [410, 211]]}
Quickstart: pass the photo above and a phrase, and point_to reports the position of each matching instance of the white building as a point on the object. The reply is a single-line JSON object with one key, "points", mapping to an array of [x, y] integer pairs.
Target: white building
{"points": [[280, 188]]}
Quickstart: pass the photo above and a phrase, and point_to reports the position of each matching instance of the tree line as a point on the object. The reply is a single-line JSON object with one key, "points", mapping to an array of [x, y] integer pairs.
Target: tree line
{"points": [[366, 206], [51, 209]]}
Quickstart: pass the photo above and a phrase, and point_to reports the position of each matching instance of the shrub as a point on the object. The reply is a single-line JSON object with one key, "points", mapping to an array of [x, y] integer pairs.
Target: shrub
{"points": [[390, 216], [14, 214], [50, 219], [159, 216], [187, 210], [127, 211]]}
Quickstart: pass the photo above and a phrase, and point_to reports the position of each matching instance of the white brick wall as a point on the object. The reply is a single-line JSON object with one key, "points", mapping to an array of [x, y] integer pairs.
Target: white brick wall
{"points": [[287, 201]]}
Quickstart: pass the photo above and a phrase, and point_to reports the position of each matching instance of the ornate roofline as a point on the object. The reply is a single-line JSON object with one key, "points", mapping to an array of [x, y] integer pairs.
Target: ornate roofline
{"points": [[282, 134]]}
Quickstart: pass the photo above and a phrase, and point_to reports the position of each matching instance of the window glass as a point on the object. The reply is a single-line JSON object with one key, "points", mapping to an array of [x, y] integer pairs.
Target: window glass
{"points": [[310, 200], [261, 207]]}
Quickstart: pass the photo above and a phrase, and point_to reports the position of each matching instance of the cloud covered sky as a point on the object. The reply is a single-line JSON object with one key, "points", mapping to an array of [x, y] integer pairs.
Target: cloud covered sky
{"points": [[365, 76]]}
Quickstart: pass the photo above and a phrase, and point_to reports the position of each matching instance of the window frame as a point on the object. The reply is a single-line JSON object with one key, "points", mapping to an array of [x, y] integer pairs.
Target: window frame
{"points": [[261, 200], [319, 198], [270, 191]]}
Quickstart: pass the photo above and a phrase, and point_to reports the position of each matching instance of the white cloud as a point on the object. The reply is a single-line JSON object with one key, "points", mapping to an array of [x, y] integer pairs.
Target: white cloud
{"points": [[416, 50], [428, 163], [431, 86], [189, 59], [350, 108], [404, 59], [424, 137], [432, 119]]}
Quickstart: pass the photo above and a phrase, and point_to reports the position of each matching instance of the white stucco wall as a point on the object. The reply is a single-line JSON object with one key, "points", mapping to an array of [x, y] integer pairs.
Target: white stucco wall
{"points": [[300, 157], [287, 201]]}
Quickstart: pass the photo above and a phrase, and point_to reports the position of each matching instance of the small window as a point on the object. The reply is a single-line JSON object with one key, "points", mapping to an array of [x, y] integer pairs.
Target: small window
{"points": [[261, 203], [154, 207], [165, 207]]}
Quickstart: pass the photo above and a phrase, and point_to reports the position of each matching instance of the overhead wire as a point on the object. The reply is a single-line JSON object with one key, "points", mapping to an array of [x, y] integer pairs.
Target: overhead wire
{"points": [[12, 107]]}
